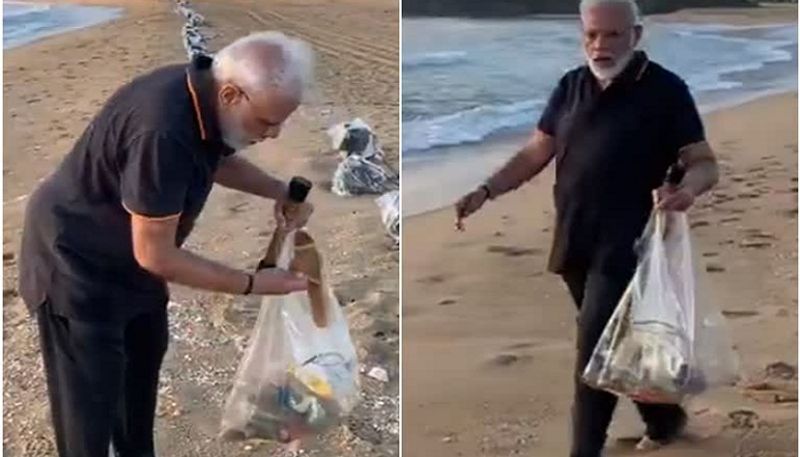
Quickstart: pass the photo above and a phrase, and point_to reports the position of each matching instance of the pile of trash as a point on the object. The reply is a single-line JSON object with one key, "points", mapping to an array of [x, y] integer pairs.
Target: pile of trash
{"points": [[194, 41], [363, 170]]}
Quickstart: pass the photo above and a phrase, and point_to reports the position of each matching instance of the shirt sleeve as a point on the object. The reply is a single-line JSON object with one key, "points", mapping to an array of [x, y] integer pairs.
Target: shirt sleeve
{"points": [[155, 177], [685, 125], [552, 111]]}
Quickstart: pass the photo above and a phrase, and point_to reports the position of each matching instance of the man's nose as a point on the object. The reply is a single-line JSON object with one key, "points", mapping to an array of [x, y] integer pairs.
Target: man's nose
{"points": [[600, 44]]}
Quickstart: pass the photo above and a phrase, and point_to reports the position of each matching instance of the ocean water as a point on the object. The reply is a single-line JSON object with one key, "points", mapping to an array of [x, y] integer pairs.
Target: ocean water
{"points": [[465, 81], [26, 22]]}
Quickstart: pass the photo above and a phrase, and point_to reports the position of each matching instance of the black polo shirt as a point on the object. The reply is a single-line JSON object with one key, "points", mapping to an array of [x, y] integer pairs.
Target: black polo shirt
{"points": [[613, 147], [151, 150]]}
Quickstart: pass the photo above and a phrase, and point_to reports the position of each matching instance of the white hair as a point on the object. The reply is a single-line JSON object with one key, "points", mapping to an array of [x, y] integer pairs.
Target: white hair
{"points": [[631, 4], [238, 63]]}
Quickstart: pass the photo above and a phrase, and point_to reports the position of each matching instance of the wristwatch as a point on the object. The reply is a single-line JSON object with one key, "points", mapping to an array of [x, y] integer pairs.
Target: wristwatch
{"points": [[485, 188]]}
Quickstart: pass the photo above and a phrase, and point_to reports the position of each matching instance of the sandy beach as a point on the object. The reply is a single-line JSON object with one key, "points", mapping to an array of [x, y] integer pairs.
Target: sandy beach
{"points": [[488, 333], [52, 88]]}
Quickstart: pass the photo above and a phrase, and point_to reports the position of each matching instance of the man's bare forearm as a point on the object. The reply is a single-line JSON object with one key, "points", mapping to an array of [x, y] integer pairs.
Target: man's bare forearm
{"points": [[524, 166], [240, 174], [188, 269], [702, 171], [701, 177]]}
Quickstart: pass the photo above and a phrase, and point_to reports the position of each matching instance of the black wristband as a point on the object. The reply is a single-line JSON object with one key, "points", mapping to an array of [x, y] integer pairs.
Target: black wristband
{"points": [[249, 288]]}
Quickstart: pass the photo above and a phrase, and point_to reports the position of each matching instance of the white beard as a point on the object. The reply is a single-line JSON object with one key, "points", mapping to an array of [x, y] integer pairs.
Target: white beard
{"points": [[232, 136], [607, 74], [235, 144]]}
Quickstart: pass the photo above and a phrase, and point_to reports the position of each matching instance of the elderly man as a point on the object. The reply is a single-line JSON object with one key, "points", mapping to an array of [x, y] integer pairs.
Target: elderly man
{"points": [[103, 233], [614, 127]]}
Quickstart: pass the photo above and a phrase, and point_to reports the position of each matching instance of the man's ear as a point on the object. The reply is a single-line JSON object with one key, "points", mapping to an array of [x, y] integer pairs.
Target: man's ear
{"points": [[229, 94], [638, 30]]}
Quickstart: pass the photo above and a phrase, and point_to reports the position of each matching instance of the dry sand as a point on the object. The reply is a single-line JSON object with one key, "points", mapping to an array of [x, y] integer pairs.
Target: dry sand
{"points": [[52, 88], [488, 334]]}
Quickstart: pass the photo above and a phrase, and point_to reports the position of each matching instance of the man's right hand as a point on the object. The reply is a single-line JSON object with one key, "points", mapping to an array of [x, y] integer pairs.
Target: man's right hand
{"points": [[275, 281], [468, 204]]}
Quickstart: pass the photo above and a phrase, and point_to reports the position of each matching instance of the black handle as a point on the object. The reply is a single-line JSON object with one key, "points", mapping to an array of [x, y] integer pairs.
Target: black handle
{"points": [[299, 188]]}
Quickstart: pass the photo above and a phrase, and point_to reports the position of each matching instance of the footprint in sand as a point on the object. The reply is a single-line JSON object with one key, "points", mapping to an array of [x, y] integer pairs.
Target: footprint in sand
{"points": [[714, 268], [513, 251], [433, 279], [748, 195], [726, 220], [743, 418], [736, 314], [447, 301], [508, 359], [781, 370], [754, 243], [522, 345], [700, 223]]}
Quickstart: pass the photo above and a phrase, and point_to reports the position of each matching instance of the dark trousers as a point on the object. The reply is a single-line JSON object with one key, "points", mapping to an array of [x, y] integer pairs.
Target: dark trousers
{"points": [[102, 380], [596, 295]]}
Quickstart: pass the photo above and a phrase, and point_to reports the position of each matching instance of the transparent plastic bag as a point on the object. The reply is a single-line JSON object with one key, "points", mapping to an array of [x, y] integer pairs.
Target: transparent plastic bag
{"points": [[362, 169], [660, 345], [389, 204], [295, 377]]}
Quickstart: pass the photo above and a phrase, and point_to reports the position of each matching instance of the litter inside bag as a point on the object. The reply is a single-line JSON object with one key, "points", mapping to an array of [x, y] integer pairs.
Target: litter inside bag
{"points": [[295, 377], [389, 204], [661, 345], [362, 169]]}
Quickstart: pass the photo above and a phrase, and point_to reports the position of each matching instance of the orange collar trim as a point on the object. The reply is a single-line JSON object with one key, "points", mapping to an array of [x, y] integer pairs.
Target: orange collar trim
{"points": [[196, 103]]}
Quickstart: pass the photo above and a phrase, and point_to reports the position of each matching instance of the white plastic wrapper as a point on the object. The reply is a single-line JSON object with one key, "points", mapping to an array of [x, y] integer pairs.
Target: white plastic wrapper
{"points": [[661, 345], [389, 204], [295, 377]]}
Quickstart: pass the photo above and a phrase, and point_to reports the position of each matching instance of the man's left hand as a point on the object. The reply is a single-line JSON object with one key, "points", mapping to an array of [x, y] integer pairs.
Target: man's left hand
{"points": [[671, 198]]}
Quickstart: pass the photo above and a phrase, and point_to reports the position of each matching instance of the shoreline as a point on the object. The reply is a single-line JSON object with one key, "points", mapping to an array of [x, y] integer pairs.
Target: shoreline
{"points": [[92, 15], [451, 171]]}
